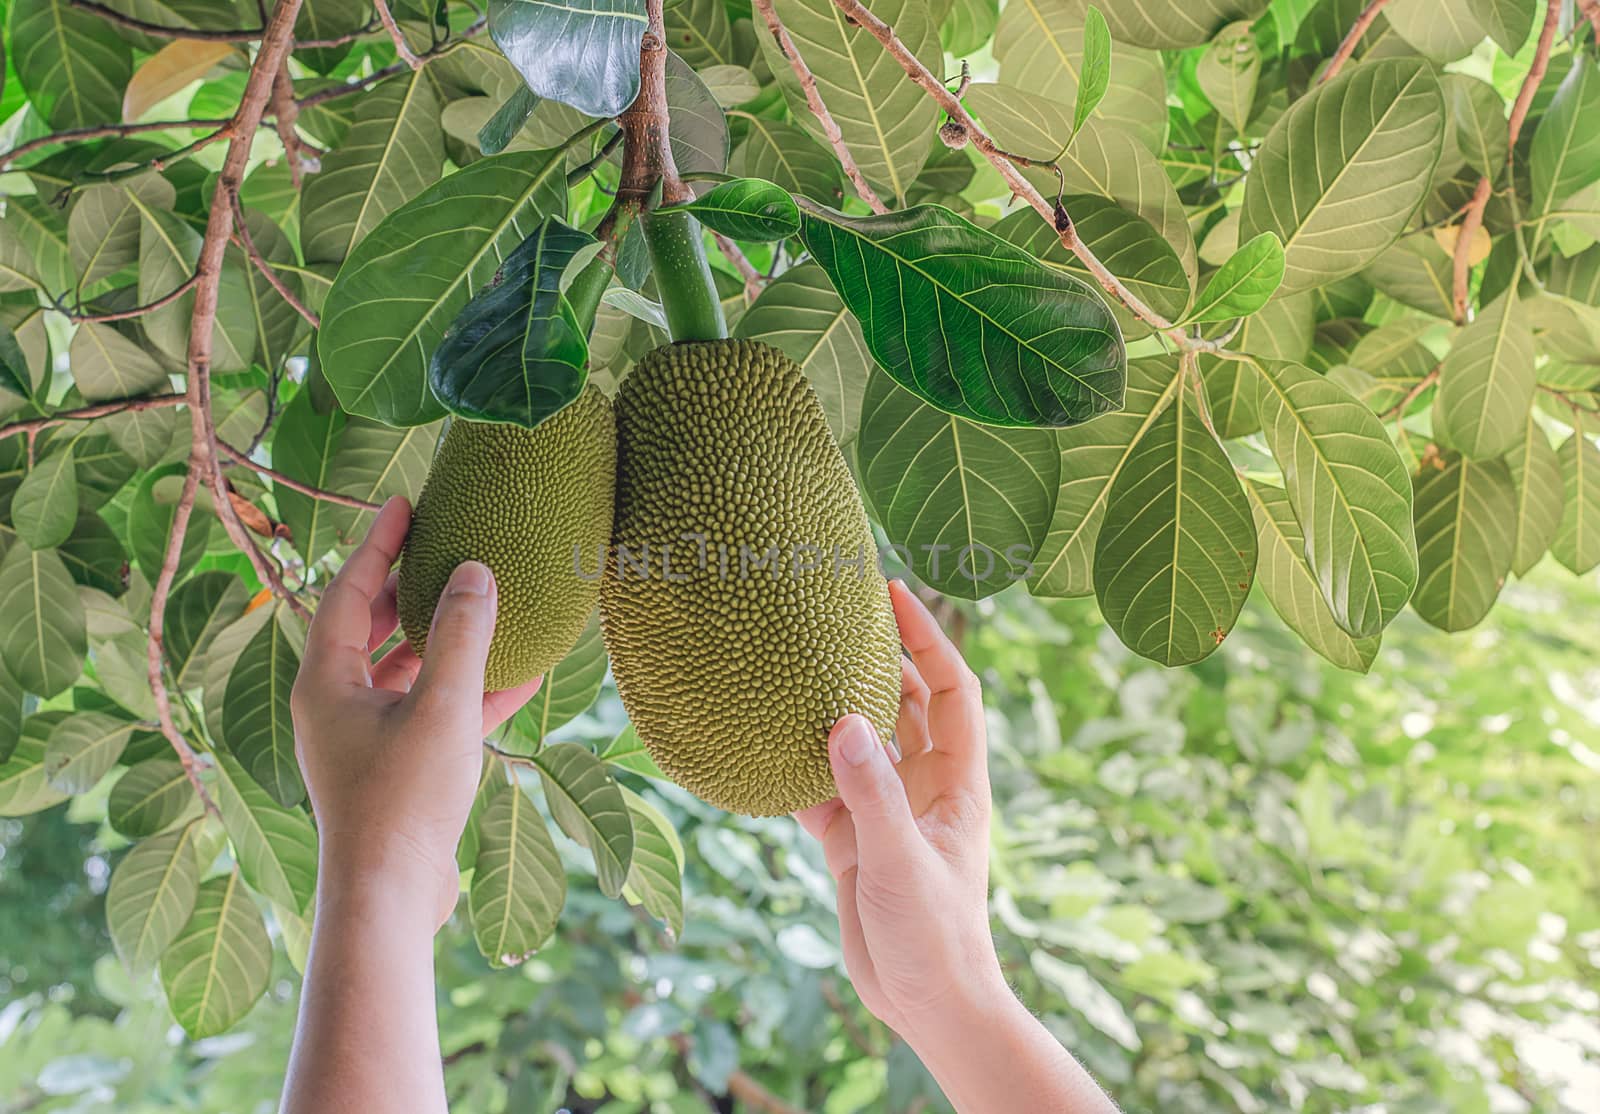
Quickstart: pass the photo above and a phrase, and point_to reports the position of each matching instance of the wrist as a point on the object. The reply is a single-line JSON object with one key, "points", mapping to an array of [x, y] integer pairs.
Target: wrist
{"points": [[979, 1001], [393, 880]]}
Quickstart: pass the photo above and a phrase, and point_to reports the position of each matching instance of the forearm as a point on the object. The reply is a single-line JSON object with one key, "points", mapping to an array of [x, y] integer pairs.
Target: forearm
{"points": [[991, 1056], [367, 1039]]}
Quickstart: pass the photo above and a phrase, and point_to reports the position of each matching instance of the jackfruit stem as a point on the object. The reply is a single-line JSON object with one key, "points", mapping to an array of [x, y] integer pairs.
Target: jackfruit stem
{"points": [[586, 290], [683, 276]]}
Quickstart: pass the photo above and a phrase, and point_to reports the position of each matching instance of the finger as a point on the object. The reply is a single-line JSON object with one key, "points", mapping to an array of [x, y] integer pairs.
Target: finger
{"points": [[839, 845], [397, 670], [911, 728], [385, 613], [336, 645], [816, 818], [886, 834], [955, 705], [501, 706], [853, 943], [458, 644]]}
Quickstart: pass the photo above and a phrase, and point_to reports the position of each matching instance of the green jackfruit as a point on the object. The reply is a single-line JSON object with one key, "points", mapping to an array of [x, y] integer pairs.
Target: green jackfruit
{"points": [[743, 607], [535, 506]]}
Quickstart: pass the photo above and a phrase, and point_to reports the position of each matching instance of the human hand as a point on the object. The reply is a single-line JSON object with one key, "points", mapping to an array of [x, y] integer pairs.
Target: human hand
{"points": [[392, 752], [908, 842]]}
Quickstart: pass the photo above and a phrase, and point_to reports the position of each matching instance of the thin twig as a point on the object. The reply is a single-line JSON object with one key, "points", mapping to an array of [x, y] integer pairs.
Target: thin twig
{"points": [[285, 113], [582, 171], [111, 15], [401, 47], [88, 413], [323, 95], [238, 456], [1398, 410], [371, 26], [245, 241], [1461, 263], [1014, 178], [830, 127], [103, 131], [1347, 45], [754, 280], [166, 299]]}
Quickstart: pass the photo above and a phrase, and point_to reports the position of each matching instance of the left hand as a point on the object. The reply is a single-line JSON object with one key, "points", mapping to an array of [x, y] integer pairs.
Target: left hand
{"points": [[392, 752]]}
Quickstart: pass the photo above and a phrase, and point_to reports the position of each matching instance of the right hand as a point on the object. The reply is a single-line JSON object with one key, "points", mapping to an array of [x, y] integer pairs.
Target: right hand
{"points": [[908, 841]]}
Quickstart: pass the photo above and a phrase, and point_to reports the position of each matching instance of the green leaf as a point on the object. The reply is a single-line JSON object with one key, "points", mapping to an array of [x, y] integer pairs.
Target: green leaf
{"points": [[276, 847], [107, 365], [256, 723], [94, 555], [1095, 76], [14, 374], [1168, 24], [1566, 146], [327, 19], [46, 503], [885, 119], [1292, 590], [1478, 122], [1127, 244], [1416, 271], [103, 227], [151, 896], [968, 504], [23, 786], [588, 805], [1339, 175], [969, 26], [151, 797], [1541, 495], [1487, 383], [730, 85], [220, 657], [975, 326], [1465, 511], [83, 748], [1441, 30], [628, 751], [655, 877], [200, 607], [507, 120], [150, 525], [518, 882], [568, 689], [1350, 493], [1243, 284], [146, 436], [12, 699], [1228, 71], [699, 131], [583, 54], [747, 209], [42, 634], [698, 31], [1507, 21], [220, 962], [33, 250], [1577, 541], [787, 156], [404, 284], [802, 314], [276, 325], [515, 352], [395, 149], [1092, 457], [1177, 549], [72, 62]]}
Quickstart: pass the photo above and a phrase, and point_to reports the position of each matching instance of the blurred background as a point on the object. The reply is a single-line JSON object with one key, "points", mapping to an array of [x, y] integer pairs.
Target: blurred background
{"points": [[1260, 884]]}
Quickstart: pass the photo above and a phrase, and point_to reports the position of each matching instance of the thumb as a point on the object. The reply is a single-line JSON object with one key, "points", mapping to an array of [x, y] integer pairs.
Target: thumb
{"points": [[458, 643], [869, 786]]}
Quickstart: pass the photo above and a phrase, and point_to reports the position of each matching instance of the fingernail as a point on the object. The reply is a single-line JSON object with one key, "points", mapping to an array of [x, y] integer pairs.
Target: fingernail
{"points": [[471, 578], [857, 740]]}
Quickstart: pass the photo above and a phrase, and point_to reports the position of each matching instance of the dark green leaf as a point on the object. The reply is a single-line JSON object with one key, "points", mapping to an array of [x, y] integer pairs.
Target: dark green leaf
{"points": [[151, 797], [72, 62], [788, 157], [507, 120], [200, 607], [256, 723], [42, 635], [1507, 21], [748, 209], [150, 525], [14, 374], [94, 555], [276, 847], [1566, 147], [584, 54], [1177, 23], [588, 805], [46, 503]]}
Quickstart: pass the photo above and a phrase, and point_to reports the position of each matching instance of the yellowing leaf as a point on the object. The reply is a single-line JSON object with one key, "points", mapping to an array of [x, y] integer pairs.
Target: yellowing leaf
{"points": [[169, 71]]}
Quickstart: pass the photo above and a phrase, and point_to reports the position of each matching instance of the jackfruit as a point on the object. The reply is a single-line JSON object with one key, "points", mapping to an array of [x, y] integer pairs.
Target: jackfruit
{"points": [[535, 506], [743, 606]]}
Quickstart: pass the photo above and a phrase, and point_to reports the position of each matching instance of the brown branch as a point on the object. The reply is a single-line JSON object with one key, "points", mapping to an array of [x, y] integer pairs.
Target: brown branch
{"points": [[754, 280], [401, 47], [166, 299], [323, 95], [88, 413], [647, 156], [1398, 410], [246, 242], [284, 115], [808, 84], [340, 40], [1347, 45], [1461, 262], [111, 15], [238, 456], [1590, 10], [103, 131], [936, 88]]}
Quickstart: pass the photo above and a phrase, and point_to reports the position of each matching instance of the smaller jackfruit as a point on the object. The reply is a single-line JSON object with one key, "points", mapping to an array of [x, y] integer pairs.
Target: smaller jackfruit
{"points": [[535, 506]]}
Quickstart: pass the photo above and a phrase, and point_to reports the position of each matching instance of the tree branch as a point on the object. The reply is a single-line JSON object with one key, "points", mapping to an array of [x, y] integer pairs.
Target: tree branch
{"points": [[646, 154], [104, 131], [323, 95], [1461, 263], [242, 236], [808, 84], [1347, 45], [238, 456], [1398, 410], [1020, 185], [285, 113], [1590, 10], [401, 47], [166, 299], [111, 15], [754, 280], [88, 413]]}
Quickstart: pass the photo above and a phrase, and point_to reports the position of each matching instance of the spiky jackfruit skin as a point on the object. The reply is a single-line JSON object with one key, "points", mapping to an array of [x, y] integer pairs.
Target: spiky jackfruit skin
{"points": [[524, 502], [733, 674]]}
